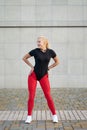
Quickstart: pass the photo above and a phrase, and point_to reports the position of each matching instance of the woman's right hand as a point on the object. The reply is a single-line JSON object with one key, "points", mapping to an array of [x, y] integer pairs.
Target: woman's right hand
{"points": [[32, 69]]}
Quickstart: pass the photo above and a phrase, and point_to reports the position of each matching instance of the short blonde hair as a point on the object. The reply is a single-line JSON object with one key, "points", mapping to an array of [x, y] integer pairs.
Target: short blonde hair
{"points": [[45, 40]]}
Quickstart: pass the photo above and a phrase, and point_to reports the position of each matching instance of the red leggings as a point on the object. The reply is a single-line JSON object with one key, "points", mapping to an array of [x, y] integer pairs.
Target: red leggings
{"points": [[44, 82]]}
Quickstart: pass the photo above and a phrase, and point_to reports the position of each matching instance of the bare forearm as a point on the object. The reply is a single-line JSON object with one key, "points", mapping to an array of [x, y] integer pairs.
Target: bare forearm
{"points": [[56, 62], [25, 59], [53, 65], [28, 63]]}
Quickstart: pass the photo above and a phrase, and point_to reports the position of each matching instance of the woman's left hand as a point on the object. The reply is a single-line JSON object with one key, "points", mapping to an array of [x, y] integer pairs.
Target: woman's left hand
{"points": [[32, 69]]}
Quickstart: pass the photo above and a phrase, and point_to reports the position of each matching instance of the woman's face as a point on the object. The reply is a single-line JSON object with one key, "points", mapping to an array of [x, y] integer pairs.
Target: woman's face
{"points": [[40, 43]]}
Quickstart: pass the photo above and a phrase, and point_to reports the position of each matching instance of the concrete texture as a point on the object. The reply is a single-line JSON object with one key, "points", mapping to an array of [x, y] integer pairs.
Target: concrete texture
{"points": [[69, 43]]}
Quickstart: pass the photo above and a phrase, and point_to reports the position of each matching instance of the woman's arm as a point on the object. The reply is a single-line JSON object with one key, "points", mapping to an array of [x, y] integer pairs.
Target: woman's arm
{"points": [[25, 59], [56, 62]]}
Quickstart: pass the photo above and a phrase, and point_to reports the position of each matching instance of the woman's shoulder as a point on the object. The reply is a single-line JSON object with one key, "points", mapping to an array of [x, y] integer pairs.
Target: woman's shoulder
{"points": [[52, 53], [51, 50], [33, 51]]}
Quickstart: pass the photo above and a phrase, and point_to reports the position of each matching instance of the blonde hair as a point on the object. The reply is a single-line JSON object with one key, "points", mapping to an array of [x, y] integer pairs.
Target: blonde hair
{"points": [[45, 41]]}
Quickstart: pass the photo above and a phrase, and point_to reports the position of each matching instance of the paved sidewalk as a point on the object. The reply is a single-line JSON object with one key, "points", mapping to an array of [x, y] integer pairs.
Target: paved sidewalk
{"points": [[64, 99], [45, 115], [71, 106], [43, 125]]}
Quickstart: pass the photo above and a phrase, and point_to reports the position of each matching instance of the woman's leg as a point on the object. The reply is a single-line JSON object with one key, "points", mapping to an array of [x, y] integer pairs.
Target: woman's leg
{"points": [[32, 82], [44, 82]]}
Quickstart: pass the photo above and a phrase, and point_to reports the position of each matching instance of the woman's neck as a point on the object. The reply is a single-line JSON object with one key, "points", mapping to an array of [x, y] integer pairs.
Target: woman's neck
{"points": [[43, 49]]}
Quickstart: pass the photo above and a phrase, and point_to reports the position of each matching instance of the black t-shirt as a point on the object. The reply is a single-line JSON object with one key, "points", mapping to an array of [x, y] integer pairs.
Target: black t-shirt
{"points": [[41, 61]]}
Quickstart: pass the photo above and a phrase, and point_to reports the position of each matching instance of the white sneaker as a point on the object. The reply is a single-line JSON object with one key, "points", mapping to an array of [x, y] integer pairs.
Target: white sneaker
{"points": [[29, 119], [55, 118]]}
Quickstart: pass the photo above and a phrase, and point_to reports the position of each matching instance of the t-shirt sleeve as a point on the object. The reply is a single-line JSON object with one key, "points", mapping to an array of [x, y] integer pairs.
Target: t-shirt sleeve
{"points": [[32, 52], [53, 53]]}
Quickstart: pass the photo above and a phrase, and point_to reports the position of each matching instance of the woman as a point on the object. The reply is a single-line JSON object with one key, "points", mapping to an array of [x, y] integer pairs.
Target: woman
{"points": [[39, 72]]}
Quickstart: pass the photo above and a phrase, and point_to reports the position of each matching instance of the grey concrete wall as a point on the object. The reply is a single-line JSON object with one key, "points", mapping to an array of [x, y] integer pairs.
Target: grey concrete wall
{"points": [[70, 44]]}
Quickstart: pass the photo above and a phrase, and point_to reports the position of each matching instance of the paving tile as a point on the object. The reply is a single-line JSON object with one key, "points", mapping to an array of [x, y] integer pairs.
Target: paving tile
{"points": [[24, 115], [62, 115], [84, 112], [43, 115], [68, 128], [67, 116], [34, 115], [39, 114], [81, 115], [61, 128], [1, 128], [41, 124], [77, 125], [40, 128], [84, 124], [72, 117], [76, 115], [58, 114], [80, 129]]}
